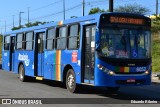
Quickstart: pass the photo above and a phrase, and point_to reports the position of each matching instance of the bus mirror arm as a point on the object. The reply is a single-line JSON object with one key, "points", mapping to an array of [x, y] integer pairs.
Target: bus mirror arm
{"points": [[97, 37], [98, 46]]}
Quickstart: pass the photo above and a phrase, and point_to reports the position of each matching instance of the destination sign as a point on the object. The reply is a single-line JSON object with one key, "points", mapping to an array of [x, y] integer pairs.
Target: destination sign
{"points": [[126, 20]]}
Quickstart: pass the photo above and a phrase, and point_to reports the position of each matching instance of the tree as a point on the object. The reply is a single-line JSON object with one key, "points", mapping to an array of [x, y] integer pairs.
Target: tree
{"points": [[155, 24], [34, 24], [29, 25], [132, 8], [96, 10], [16, 28], [73, 17]]}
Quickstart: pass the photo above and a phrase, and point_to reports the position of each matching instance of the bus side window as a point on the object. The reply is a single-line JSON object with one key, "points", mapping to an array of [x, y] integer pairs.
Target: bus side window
{"points": [[29, 40], [61, 38], [6, 42], [19, 41], [50, 39], [73, 39]]}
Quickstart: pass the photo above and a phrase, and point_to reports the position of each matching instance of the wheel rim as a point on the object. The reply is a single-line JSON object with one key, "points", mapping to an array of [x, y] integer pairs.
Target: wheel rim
{"points": [[70, 81], [21, 72]]}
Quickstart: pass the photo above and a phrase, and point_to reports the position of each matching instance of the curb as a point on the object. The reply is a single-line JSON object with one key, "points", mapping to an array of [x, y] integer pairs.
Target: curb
{"points": [[156, 78]]}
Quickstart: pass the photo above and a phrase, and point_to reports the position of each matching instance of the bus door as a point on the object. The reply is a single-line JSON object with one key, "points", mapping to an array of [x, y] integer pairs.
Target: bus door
{"points": [[39, 53], [12, 49], [89, 53]]}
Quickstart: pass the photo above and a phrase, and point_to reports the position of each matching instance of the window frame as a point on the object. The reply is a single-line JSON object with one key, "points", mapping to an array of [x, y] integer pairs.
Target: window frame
{"points": [[25, 37], [5, 43], [78, 37], [23, 41], [58, 37], [53, 39]]}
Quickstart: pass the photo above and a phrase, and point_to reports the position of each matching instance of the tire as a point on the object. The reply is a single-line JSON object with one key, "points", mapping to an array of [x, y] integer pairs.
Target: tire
{"points": [[113, 89], [21, 71], [71, 81]]}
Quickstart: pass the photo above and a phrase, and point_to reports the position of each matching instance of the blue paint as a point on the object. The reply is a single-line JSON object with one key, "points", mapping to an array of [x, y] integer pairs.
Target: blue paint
{"points": [[46, 60]]}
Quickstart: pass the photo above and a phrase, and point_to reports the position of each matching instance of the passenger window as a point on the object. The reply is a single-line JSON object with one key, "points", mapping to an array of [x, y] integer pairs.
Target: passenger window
{"points": [[61, 39], [50, 39], [73, 42], [20, 41], [6, 42], [29, 41]]}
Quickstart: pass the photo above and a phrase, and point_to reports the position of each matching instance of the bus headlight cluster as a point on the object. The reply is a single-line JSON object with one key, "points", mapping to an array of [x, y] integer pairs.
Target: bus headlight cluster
{"points": [[147, 72], [105, 70]]}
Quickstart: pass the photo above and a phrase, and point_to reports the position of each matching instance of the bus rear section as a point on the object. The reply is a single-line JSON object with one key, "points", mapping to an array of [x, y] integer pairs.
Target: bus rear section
{"points": [[123, 51]]}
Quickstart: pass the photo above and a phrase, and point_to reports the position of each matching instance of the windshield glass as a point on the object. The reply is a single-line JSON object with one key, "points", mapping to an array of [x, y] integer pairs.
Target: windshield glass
{"points": [[125, 43]]}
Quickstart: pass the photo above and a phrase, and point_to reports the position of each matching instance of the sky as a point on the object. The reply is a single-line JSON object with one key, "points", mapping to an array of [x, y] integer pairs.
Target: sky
{"points": [[52, 10]]}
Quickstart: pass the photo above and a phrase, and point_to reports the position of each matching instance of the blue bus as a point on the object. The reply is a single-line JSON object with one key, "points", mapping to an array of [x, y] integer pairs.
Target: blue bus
{"points": [[107, 49]]}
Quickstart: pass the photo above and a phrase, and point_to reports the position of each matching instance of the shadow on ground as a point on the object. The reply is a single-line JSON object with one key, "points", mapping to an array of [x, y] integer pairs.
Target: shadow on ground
{"points": [[124, 94]]}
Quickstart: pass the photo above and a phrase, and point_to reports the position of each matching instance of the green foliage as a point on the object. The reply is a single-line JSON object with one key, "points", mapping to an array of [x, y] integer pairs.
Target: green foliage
{"points": [[155, 25], [132, 8], [96, 10], [35, 24], [156, 53], [16, 28], [29, 25], [73, 17]]}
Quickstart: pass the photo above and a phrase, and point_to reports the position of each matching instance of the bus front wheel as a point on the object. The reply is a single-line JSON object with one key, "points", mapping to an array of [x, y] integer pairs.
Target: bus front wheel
{"points": [[22, 76], [71, 81]]}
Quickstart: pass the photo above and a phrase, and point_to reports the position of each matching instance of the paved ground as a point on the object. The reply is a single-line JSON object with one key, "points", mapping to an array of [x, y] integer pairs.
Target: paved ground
{"points": [[11, 87], [156, 77]]}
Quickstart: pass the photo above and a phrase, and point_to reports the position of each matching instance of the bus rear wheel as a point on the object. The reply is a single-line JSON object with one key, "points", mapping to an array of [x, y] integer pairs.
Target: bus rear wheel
{"points": [[22, 76], [71, 81]]}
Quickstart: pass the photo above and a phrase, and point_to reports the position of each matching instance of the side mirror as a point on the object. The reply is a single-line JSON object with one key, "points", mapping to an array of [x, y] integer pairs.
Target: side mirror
{"points": [[97, 38], [97, 46]]}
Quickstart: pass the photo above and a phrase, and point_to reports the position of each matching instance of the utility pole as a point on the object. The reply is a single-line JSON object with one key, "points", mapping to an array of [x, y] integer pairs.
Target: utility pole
{"points": [[110, 5], [28, 14], [63, 9], [5, 25], [13, 21], [156, 8], [1, 29], [20, 18], [83, 7]]}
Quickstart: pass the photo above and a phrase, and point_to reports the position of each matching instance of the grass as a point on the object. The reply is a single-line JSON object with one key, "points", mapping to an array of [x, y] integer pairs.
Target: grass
{"points": [[156, 53]]}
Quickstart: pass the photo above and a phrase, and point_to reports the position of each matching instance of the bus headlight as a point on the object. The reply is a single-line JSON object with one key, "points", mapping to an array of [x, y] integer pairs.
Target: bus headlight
{"points": [[111, 73], [105, 70], [147, 72], [102, 68]]}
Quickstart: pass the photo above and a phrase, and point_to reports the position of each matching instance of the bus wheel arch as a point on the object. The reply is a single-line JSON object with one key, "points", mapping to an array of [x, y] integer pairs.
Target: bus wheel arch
{"points": [[66, 68], [69, 78], [21, 72]]}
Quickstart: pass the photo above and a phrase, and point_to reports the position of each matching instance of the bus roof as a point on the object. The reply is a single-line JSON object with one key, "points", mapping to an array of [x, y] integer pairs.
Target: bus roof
{"points": [[68, 21]]}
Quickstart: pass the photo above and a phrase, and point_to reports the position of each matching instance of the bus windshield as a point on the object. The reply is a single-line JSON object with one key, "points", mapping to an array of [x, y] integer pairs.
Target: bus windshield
{"points": [[125, 43]]}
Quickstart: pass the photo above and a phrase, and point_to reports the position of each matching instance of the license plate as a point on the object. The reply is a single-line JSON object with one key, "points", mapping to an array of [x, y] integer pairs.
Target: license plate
{"points": [[131, 80]]}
